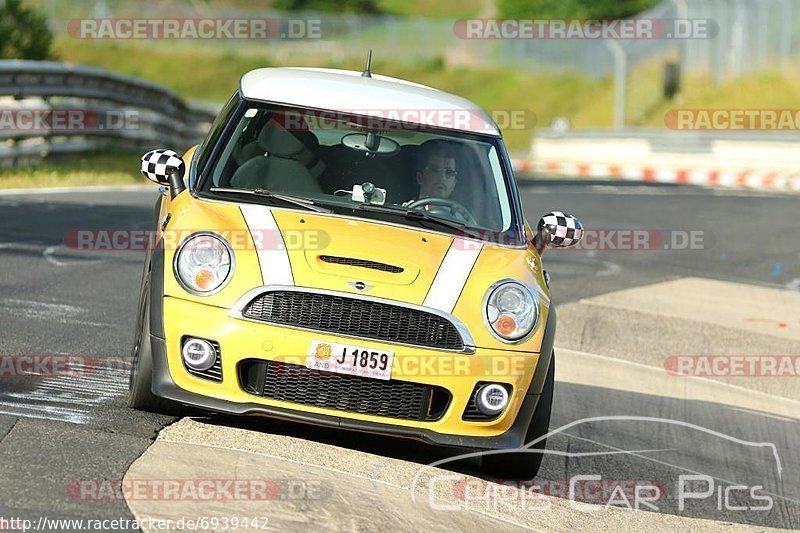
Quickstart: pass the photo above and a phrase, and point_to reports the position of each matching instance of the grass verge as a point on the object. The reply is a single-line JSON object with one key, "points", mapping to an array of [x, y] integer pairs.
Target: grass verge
{"points": [[203, 72], [103, 168]]}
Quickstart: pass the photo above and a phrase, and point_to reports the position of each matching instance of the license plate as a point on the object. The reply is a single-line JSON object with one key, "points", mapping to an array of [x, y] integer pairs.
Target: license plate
{"points": [[349, 359]]}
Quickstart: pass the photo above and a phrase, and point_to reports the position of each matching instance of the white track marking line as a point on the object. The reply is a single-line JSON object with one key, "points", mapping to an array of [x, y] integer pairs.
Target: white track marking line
{"points": [[658, 377], [61, 313], [48, 255], [744, 307], [50, 250], [609, 269]]}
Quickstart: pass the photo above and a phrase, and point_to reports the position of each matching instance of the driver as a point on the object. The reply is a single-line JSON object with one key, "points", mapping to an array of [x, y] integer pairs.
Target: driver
{"points": [[437, 173], [437, 177]]}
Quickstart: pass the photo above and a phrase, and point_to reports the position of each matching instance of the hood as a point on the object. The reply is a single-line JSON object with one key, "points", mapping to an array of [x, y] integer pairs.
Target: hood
{"points": [[363, 256]]}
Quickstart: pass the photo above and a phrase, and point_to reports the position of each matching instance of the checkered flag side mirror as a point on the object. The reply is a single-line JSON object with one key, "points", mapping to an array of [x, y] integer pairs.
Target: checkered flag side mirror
{"points": [[158, 165], [559, 230]]}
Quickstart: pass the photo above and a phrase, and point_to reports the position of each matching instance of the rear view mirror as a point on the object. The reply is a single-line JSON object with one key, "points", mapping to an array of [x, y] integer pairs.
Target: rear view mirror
{"points": [[558, 230], [371, 143]]}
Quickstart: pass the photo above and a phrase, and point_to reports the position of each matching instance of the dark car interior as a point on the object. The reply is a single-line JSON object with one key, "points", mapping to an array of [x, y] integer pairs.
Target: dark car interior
{"points": [[268, 155]]}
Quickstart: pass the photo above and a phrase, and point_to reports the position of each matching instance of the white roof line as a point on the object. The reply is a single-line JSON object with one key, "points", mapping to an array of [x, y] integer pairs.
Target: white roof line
{"points": [[347, 91]]}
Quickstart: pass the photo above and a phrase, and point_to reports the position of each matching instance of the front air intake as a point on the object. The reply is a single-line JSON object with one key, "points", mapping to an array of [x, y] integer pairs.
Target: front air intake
{"points": [[360, 263]]}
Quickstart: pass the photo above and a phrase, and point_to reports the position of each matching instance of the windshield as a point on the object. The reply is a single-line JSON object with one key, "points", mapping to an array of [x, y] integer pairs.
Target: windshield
{"points": [[349, 164]]}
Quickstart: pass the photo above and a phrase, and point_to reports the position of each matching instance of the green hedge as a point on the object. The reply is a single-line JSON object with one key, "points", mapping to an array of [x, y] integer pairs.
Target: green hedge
{"points": [[575, 9], [24, 33]]}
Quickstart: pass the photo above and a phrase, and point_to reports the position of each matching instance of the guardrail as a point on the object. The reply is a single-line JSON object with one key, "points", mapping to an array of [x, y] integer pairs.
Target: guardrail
{"points": [[49, 108]]}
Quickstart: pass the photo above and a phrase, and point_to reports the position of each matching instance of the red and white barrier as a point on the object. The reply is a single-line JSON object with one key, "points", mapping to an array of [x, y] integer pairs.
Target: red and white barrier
{"points": [[772, 181]]}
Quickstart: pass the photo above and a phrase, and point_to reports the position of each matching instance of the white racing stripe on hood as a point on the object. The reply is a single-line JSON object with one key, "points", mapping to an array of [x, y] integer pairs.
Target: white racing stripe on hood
{"points": [[270, 247], [453, 274]]}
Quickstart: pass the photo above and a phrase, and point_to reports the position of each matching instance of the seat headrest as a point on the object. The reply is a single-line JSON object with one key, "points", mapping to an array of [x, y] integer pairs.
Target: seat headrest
{"points": [[275, 140]]}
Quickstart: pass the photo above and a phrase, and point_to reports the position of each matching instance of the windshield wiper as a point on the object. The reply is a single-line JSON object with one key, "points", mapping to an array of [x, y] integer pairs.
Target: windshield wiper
{"points": [[416, 214], [297, 201]]}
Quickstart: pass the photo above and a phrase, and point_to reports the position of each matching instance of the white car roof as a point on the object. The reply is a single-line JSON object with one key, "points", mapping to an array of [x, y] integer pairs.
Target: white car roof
{"points": [[347, 91]]}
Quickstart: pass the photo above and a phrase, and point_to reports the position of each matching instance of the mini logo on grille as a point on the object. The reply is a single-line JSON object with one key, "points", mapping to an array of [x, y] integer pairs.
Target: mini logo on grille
{"points": [[359, 285]]}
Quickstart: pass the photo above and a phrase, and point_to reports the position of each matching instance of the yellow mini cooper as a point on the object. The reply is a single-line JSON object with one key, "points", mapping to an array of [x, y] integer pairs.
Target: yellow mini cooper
{"points": [[348, 250]]}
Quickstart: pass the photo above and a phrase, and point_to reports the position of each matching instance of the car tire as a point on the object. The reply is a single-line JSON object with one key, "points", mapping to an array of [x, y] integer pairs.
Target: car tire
{"points": [[140, 394], [509, 465]]}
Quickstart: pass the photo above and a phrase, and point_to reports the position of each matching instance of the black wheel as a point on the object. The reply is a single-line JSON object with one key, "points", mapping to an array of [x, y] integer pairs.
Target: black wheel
{"points": [[140, 395], [526, 465]]}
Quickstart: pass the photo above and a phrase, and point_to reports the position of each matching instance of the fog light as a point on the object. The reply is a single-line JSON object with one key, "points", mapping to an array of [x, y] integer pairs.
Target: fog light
{"points": [[491, 399], [198, 354]]}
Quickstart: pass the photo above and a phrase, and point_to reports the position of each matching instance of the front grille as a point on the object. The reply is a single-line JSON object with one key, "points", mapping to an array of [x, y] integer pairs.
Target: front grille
{"points": [[353, 394], [471, 413], [363, 263], [355, 317]]}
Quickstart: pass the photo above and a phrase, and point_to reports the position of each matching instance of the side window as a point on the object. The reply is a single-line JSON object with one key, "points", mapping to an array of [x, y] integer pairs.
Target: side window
{"points": [[204, 152]]}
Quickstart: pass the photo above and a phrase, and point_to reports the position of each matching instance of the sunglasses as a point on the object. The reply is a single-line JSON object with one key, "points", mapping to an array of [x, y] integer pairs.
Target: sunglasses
{"points": [[442, 171]]}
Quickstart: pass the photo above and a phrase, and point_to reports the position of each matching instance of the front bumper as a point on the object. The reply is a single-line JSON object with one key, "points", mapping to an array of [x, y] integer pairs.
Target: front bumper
{"points": [[241, 340]]}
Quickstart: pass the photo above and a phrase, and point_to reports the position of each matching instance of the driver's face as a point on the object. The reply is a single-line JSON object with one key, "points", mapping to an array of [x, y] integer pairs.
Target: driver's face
{"points": [[438, 178]]}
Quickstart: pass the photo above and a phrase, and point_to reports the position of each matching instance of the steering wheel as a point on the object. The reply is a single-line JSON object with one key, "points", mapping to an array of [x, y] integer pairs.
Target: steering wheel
{"points": [[457, 210]]}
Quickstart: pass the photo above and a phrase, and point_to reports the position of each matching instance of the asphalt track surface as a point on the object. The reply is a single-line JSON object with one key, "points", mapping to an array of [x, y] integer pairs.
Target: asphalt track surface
{"points": [[56, 431]]}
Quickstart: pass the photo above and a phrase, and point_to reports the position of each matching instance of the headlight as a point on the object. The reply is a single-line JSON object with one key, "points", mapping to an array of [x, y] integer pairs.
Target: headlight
{"points": [[511, 310], [203, 263]]}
